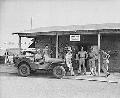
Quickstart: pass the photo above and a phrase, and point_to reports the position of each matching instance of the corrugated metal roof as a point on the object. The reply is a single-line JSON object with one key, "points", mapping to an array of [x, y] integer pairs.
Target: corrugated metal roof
{"points": [[81, 29], [76, 27]]}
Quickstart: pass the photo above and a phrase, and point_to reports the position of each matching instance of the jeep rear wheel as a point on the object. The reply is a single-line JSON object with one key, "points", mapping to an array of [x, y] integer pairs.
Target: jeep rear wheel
{"points": [[59, 72], [24, 70]]}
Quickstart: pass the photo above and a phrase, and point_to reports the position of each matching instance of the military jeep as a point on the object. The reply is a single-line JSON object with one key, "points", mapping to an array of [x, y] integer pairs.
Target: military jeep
{"points": [[27, 64]]}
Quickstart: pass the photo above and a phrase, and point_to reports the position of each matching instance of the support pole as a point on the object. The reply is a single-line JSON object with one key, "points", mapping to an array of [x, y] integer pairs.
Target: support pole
{"points": [[19, 44], [56, 45], [31, 23], [98, 54]]}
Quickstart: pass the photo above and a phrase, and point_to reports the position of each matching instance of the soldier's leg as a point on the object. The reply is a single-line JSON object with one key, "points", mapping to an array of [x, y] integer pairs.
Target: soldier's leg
{"points": [[84, 68], [80, 62], [104, 68], [68, 64], [72, 72], [71, 69], [107, 70], [94, 67], [90, 66]]}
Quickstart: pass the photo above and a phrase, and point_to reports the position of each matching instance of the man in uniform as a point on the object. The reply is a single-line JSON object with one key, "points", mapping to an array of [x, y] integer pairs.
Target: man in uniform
{"points": [[68, 58], [39, 56], [82, 55], [47, 57], [92, 55], [46, 54], [105, 57]]}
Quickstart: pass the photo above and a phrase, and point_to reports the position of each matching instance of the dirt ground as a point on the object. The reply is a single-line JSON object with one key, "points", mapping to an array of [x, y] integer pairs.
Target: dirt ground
{"points": [[41, 85]]}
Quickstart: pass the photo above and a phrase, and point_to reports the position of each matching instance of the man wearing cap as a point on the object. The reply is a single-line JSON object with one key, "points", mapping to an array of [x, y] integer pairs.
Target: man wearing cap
{"points": [[105, 57], [82, 55], [92, 56], [68, 58], [39, 56]]}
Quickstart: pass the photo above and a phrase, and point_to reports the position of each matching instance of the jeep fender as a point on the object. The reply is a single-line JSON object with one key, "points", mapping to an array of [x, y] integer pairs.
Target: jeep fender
{"points": [[57, 64]]}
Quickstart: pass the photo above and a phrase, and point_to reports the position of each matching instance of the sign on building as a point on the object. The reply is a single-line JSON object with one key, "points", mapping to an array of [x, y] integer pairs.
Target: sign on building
{"points": [[74, 37]]}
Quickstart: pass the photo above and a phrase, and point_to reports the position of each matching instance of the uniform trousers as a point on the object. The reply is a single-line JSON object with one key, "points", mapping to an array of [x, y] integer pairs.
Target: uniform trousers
{"points": [[69, 64], [92, 66], [105, 67], [82, 62]]}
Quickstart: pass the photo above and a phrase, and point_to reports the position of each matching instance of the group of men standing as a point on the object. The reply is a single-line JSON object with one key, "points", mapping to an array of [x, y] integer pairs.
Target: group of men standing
{"points": [[82, 55]]}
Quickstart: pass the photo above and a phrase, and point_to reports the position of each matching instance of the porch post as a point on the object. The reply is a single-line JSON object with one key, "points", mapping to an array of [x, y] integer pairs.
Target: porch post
{"points": [[56, 45], [98, 54], [19, 44]]}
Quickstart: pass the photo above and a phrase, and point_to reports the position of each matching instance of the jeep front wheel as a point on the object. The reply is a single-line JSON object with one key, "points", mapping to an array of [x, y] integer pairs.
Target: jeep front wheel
{"points": [[59, 72], [24, 70]]}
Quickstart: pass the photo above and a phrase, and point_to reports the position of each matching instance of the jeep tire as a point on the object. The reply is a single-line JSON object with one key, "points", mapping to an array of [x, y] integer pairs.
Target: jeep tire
{"points": [[59, 72], [24, 70]]}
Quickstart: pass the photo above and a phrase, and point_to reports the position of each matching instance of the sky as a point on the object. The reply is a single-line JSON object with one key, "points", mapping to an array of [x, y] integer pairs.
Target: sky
{"points": [[15, 15]]}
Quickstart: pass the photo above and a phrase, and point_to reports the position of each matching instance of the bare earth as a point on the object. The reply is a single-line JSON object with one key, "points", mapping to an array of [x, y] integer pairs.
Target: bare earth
{"points": [[45, 86]]}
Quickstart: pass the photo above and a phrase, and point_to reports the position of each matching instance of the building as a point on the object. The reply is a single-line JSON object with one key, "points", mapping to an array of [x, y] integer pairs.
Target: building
{"points": [[101, 36]]}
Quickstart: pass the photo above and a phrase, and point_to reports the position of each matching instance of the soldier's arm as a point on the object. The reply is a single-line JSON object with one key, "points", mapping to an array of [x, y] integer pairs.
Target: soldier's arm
{"points": [[86, 55], [78, 54]]}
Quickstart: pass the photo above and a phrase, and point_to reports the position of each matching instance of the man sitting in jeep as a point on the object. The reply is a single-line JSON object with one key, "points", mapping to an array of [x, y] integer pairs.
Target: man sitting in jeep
{"points": [[39, 56], [47, 57]]}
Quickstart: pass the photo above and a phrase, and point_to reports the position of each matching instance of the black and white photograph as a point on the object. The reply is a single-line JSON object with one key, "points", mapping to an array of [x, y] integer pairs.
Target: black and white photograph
{"points": [[59, 49]]}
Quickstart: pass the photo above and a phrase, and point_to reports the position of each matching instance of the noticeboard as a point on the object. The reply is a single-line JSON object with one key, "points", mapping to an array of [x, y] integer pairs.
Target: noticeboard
{"points": [[74, 37]]}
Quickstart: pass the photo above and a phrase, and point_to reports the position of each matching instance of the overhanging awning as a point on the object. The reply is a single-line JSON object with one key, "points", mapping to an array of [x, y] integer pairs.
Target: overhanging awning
{"points": [[72, 29]]}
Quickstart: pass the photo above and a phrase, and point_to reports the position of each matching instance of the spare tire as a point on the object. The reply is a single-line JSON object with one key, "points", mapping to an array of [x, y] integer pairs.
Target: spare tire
{"points": [[59, 72]]}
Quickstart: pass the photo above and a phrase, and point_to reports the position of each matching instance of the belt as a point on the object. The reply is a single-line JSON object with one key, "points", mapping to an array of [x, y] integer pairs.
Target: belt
{"points": [[82, 57]]}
